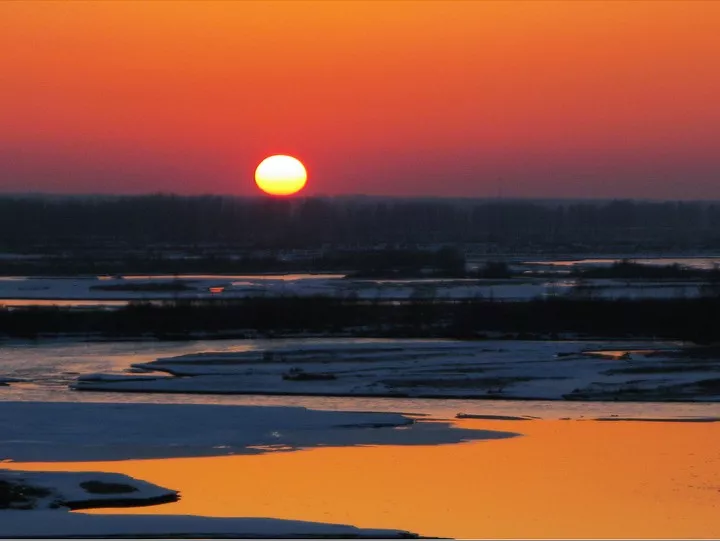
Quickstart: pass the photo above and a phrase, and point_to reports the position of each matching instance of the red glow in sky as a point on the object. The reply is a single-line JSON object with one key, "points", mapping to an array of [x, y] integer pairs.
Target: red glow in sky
{"points": [[520, 98]]}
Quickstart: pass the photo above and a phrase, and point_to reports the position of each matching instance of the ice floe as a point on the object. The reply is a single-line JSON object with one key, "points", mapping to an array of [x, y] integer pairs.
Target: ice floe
{"points": [[46, 431], [59, 524]]}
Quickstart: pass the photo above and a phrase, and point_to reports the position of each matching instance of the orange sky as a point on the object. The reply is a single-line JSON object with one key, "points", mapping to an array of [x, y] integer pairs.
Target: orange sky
{"points": [[519, 98]]}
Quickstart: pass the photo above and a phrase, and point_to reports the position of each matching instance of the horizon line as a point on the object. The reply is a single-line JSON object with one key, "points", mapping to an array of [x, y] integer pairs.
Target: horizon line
{"points": [[495, 198]]}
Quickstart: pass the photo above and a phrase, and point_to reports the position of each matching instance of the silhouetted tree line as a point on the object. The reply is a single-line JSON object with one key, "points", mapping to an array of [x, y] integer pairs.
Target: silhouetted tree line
{"points": [[446, 262], [692, 319], [442, 262], [627, 269], [54, 224]]}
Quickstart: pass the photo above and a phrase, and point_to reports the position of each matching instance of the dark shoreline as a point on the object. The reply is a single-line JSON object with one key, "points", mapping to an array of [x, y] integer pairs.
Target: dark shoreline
{"points": [[695, 320]]}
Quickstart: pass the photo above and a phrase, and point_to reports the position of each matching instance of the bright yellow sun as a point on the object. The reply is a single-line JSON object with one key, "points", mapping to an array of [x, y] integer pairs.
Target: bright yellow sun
{"points": [[280, 175]]}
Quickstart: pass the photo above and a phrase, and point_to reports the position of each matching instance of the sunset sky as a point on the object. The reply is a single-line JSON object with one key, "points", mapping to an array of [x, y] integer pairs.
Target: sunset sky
{"points": [[514, 98]]}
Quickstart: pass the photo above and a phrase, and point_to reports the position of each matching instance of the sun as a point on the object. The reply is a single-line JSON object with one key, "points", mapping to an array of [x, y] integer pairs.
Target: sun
{"points": [[280, 175]]}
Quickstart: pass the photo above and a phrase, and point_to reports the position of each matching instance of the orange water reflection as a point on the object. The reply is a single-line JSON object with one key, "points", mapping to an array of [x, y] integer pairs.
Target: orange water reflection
{"points": [[562, 479]]}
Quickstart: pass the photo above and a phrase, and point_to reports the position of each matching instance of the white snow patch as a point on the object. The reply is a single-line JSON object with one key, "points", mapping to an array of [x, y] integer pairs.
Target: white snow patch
{"points": [[66, 489]]}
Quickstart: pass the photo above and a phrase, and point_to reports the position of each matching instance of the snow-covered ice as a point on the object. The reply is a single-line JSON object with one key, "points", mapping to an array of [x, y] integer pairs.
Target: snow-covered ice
{"points": [[109, 292], [45, 431], [59, 524], [435, 368], [81, 490]]}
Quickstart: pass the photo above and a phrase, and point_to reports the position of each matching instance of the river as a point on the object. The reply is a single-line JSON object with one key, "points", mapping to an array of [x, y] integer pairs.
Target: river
{"points": [[565, 476]]}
